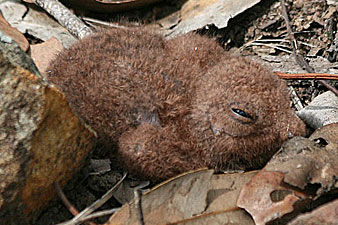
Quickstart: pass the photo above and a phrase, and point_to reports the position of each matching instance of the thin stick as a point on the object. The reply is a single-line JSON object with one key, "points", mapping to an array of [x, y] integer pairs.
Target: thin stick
{"points": [[288, 27], [65, 17], [300, 76], [299, 59], [66, 202], [64, 199], [97, 204]]}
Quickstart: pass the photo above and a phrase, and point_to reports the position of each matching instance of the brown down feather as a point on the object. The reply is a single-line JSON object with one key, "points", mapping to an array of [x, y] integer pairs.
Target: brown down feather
{"points": [[175, 105]]}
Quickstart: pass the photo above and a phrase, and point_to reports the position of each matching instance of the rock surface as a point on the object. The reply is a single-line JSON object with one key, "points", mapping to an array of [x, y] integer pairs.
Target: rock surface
{"points": [[41, 140]]}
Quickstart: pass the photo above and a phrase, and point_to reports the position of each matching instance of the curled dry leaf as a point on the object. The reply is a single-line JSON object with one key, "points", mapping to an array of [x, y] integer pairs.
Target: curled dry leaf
{"points": [[257, 197], [10, 31], [290, 174], [197, 197]]}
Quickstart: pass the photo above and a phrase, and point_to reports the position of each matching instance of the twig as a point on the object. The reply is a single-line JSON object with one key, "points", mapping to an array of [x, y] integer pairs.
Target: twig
{"points": [[138, 204], [64, 199], [66, 202], [300, 76], [288, 28], [65, 17], [299, 59], [97, 204]]}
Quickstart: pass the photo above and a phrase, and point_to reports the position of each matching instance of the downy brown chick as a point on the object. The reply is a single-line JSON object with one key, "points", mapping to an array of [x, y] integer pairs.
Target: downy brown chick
{"points": [[175, 105]]}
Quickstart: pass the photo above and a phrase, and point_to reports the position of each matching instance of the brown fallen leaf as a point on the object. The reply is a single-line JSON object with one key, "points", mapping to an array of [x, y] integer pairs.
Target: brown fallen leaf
{"points": [[221, 199], [256, 197], [225, 189], [45, 52], [10, 31], [284, 185], [176, 199], [196, 197]]}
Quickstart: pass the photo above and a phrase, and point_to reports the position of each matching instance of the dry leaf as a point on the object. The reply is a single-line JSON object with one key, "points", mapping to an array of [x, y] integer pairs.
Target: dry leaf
{"points": [[225, 189], [176, 199], [196, 14], [197, 197], [257, 197], [274, 191], [45, 52], [309, 161], [10, 31]]}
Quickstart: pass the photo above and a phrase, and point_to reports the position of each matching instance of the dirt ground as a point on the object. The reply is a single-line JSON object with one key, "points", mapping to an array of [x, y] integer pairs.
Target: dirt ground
{"points": [[259, 32]]}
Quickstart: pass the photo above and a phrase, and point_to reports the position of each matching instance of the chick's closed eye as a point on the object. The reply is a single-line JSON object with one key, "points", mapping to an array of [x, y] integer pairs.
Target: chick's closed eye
{"points": [[242, 113]]}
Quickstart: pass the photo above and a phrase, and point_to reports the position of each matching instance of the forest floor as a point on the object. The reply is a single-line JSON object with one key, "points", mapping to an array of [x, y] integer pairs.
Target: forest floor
{"points": [[260, 33]]}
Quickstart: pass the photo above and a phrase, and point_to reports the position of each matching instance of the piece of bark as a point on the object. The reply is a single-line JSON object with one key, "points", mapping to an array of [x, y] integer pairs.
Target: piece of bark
{"points": [[41, 140]]}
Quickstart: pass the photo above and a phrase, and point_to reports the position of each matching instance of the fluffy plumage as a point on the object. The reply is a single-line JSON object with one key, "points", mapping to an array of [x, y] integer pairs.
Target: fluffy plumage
{"points": [[176, 105]]}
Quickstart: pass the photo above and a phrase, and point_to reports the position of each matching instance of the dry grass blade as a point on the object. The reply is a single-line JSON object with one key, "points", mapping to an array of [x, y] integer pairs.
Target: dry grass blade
{"points": [[98, 214], [279, 47], [295, 99], [97, 204]]}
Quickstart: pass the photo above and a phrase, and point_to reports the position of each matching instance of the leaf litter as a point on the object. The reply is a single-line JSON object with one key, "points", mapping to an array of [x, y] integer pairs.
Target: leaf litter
{"points": [[304, 169]]}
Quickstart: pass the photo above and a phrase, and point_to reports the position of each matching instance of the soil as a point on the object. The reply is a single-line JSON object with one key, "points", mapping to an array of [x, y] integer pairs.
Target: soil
{"points": [[260, 34]]}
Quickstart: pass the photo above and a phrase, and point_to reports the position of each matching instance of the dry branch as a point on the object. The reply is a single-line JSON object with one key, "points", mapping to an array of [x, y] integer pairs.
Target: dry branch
{"points": [[65, 17]]}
